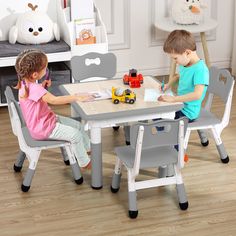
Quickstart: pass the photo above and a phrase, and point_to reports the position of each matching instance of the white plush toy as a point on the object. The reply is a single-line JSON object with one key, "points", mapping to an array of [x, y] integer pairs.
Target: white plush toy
{"points": [[188, 11], [34, 27]]}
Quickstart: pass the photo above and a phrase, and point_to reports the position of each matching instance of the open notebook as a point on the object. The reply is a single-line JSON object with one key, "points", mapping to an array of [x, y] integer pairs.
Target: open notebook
{"points": [[101, 95], [151, 95]]}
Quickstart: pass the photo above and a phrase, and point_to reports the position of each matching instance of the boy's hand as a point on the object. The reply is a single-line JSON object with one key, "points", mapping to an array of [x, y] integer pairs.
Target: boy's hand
{"points": [[165, 87], [166, 98], [46, 83]]}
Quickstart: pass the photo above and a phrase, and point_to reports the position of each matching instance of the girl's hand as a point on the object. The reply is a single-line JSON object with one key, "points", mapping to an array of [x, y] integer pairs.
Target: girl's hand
{"points": [[46, 83], [85, 98], [166, 98]]}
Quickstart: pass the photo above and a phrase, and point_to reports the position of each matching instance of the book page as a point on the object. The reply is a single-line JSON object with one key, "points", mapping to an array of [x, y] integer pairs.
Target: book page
{"points": [[101, 95], [151, 95], [85, 31]]}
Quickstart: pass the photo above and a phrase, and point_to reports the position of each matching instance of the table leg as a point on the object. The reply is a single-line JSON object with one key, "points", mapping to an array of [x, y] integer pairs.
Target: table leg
{"points": [[205, 49], [96, 156], [172, 69]]}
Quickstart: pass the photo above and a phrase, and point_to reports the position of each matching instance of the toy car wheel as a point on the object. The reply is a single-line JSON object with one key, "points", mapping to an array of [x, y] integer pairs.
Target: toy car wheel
{"points": [[131, 101], [116, 101]]}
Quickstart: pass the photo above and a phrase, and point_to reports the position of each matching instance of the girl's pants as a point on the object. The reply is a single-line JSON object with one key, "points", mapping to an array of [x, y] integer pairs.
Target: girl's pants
{"points": [[73, 131]]}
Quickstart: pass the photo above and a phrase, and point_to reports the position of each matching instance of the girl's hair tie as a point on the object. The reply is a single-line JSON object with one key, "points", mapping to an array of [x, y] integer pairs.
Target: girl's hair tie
{"points": [[24, 83]]}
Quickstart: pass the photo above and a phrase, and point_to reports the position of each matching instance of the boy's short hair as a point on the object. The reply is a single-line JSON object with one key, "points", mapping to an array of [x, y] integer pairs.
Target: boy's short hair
{"points": [[179, 41]]}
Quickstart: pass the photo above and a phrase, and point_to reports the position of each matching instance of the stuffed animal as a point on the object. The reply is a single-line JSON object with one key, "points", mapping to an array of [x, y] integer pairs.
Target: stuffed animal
{"points": [[187, 12], [33, 27]]}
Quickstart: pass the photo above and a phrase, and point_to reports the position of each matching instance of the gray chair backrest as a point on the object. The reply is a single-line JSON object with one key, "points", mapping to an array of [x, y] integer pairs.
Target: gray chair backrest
{"points": [[220, 83], [93, 65], [10, 98], [167, 136]]}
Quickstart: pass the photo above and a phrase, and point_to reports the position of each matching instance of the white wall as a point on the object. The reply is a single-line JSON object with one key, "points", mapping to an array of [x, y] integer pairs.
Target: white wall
{"points": [[131, 33], [132, 37]]}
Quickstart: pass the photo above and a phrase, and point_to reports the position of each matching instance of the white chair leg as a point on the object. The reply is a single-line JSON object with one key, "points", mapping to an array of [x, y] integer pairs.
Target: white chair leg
{"points": [[203, 137], [74, 166], [33, 157], [186, 138], [115, 185], [220, 146], [19, 161]]}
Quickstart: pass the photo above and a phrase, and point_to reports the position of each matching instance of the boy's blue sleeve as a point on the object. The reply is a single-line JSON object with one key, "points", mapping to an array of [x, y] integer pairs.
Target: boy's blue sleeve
{"points": [[201, 76]]}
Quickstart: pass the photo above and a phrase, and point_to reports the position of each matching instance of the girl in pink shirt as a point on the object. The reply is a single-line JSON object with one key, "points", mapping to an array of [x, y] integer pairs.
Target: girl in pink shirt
{"points": [[41, 121]]}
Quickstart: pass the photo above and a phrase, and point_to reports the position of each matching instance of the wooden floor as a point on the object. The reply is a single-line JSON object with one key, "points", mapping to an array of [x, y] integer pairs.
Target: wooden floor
{"points": [[55, 205]]}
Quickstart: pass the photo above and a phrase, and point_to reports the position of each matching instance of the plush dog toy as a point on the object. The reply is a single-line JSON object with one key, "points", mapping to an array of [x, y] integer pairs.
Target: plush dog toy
{"points": [[188, 11], [33, 27]]}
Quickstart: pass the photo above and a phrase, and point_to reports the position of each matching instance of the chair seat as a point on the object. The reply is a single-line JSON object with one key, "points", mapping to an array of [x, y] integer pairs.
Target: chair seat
{"points": [[206, 118], [39, 143], [152, 157]]}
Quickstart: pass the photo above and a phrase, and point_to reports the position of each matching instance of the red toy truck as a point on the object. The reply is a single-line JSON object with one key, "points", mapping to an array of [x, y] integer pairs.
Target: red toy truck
{"points": [[134, 80]]}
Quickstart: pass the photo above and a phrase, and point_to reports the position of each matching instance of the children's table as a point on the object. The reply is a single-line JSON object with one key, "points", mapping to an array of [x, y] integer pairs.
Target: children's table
{"points": [[104, 113], [167, 24]]}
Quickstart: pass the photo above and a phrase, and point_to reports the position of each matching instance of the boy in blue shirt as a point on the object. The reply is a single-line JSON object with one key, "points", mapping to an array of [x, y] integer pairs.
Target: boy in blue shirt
{"points": [[193, 74]]}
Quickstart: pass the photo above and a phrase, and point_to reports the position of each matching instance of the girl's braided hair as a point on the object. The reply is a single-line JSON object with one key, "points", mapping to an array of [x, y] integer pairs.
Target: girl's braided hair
{"points": [[28, 62]]}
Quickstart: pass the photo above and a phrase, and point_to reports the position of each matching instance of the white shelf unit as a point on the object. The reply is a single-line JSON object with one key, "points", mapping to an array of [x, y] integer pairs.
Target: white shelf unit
{"points": [[68, 32], [68, 35]]}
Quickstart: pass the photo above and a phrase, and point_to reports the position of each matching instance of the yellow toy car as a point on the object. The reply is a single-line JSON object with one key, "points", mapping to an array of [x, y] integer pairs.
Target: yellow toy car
{"points": [[120, 95]]}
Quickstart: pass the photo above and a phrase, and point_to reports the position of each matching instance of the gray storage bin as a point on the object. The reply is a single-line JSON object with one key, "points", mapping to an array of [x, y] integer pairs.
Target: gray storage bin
{"points": [[60, 73], [8, 77]]}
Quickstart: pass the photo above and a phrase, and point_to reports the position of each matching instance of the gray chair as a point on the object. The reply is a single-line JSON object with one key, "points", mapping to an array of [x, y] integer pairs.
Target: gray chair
{"points": [[21, 155], [151, 148], [94, 66], [31, 148], [221, 85]]}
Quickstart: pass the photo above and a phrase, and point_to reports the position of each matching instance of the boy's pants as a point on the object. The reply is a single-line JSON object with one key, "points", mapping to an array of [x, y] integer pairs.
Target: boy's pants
{"points": [[179, 114], [73, 131]]}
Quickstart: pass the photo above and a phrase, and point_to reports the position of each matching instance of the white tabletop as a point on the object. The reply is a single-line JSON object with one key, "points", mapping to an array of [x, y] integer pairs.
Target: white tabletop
{"points": [[104, 109], [167, 24]]}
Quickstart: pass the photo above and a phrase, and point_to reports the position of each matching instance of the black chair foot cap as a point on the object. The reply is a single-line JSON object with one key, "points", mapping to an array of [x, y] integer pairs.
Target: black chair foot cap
{"points": [[183, 206], [79, 181], [67, 163], [225, 160], [96, 188], [17, 168], [25, 188], [133, 214], [116, 128], [114, 190], [127, 143], [205, 144]]}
